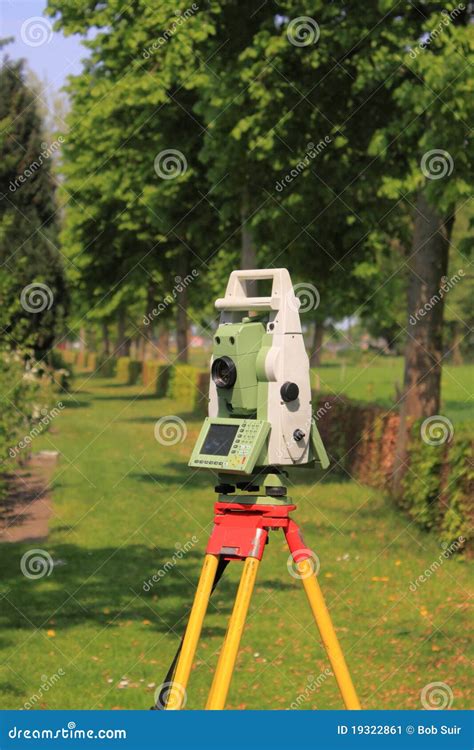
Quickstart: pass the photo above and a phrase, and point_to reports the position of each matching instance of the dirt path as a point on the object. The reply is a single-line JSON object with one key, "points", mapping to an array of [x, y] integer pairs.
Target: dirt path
{"points": [[25, 512]]}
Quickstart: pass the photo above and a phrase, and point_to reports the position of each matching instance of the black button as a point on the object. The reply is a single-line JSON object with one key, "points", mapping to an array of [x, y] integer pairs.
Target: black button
{"points": [[289, 391]]}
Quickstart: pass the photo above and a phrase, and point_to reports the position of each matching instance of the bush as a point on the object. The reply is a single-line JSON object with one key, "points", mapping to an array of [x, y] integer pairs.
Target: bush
{"points": [[128, 370], [81, 360], [155, 377], [91, 361], [361, 439], [24, 397], [106, 366], [68, 356], [184, 385]]}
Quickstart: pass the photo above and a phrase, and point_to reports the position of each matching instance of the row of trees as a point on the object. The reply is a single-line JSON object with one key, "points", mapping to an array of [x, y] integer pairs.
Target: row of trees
{"points": [[29, 226], [226, 134]]}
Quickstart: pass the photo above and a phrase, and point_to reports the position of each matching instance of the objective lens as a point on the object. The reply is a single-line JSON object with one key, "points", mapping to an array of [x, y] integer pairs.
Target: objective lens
{"points": [[224, 372]]}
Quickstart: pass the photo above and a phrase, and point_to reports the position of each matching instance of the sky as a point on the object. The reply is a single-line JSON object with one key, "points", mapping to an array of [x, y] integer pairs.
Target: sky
{"points": [[49, 54]]}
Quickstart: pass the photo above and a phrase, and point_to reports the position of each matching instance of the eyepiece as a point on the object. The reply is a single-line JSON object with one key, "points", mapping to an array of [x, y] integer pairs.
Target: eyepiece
{"points": [[224, 372]]}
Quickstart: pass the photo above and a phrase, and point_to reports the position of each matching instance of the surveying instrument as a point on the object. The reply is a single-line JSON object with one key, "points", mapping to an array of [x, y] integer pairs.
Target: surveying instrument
{"points": [[260, 421]]}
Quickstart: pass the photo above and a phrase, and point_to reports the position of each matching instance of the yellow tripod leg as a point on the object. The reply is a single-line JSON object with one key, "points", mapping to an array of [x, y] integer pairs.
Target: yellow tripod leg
{"points": [[177, 690], [228, 655], [327, 633]]}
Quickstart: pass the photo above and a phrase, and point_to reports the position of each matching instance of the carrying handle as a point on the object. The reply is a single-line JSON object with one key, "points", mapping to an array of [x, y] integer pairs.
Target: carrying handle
{"points": [[236, 297]]}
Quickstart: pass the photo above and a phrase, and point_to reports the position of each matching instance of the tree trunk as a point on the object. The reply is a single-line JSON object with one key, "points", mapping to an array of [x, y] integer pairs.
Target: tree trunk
{"points": [[248, 252], [182, 310], [105, 339], [82, 339], [164, 343], [123, 343], [427, 265], [318, 335], [457, 357]]}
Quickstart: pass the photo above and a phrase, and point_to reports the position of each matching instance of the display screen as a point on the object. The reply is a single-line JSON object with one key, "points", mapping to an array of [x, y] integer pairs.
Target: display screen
{"points": [[219, 439]]}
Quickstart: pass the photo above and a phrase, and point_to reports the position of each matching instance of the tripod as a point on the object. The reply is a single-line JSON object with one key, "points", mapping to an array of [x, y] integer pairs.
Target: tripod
{"points": [[240, 533]]}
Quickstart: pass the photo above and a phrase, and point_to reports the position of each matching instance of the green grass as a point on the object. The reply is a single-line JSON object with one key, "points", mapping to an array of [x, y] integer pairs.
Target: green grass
{"points": [[375, 379], [122, 502]]}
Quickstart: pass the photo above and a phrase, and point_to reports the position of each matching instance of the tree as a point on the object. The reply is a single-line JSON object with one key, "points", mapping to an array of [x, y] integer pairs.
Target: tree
{"points": [[32, 281], [138, 212]]}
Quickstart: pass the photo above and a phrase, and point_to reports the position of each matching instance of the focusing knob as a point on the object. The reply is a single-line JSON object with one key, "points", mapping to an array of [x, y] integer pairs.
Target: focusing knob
{"points": [[289, 391], [298, 435]]}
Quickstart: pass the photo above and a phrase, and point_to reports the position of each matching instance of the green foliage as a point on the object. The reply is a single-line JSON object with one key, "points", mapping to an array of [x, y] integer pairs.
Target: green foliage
{"points": [[156, 377], [421, 484], [13, 397], [22, 397], [457, 518], [128, 370], [32, 281], [437, 486], [106, 366], [184, 385]]}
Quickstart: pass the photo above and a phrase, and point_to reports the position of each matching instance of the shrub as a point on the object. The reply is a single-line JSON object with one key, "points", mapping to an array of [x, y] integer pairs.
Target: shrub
{"points": [[24, 397], [81, 359], [69, 356], [106, 366], [184, 385], [91, 361], [155, 376], [128, 370], [438, 481]]}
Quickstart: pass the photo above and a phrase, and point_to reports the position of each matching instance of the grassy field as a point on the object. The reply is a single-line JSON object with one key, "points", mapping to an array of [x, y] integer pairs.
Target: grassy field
{"points": [[124, 504], [376, 378]]}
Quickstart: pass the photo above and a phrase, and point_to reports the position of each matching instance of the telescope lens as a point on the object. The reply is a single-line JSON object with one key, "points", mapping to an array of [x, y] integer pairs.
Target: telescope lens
{"points": [[224, 372]]}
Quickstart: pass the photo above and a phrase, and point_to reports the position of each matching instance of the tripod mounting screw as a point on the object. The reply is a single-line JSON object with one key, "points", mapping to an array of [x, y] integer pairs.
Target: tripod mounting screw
{"points": [[298, 435]]}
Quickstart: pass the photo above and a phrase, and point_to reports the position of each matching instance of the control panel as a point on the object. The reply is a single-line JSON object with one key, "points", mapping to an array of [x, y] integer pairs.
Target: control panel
{"points": [[231, 445]]}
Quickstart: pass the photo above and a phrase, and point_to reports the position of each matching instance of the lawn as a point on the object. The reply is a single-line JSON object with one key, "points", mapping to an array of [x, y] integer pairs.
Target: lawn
{"points": [[376, 379], [124, 504]]}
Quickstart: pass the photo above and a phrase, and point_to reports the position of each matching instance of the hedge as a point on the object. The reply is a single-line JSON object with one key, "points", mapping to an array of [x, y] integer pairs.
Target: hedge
{"points": [[69, 355], [361, 441], [185, 386], [156, 377], [25, 400], [91, 362], [128, 370], [106, 366], [81, 360]]}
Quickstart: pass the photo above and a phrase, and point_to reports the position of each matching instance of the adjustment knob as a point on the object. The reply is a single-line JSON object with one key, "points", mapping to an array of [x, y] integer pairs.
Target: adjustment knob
{"points": [[289, 391], [298, 435]]}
